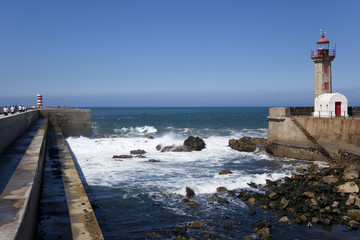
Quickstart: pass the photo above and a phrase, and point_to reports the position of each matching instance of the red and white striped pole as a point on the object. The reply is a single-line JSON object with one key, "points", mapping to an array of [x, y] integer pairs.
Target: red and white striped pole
{"points": [[39, 101]]}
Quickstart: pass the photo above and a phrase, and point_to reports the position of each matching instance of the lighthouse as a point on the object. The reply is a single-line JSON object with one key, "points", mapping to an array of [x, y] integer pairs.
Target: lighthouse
{"points": [[322, 58], [326, 103]]}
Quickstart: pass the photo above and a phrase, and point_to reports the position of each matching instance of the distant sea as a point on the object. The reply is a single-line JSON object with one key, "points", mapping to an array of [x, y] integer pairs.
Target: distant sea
{"points": [[135, 198]]}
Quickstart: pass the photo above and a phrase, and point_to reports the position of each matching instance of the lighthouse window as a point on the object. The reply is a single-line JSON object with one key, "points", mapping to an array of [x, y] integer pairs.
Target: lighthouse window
{"points": [[326, 69], [326, 86]]}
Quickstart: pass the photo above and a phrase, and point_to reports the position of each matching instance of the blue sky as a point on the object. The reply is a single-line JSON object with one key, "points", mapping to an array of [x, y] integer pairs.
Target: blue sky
{"points": [[173, 53]]}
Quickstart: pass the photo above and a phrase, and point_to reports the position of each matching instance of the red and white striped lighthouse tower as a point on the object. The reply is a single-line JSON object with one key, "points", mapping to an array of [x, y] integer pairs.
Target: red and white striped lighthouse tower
{"points": [[39, 101]]}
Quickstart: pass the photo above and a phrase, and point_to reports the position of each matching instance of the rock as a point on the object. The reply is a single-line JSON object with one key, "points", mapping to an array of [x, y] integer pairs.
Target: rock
{"points": [[313, 168], [330, 179], [192, 204], [197, 224], [243, 144], [349, 187], [223, 201], [225, 171], [265, 188], [284, 203], [158, 147], [335, 204], [284, 219], [273, 196], [252, 202], [213, 197], [153, 235], [301, 219], [138, 151], [194, 143], [154, 160], [168, 148], [309, 194], [300, 170], [189, 192], [179, 230], [351, 173], [353, 224], [315, 220], [148, 136], [351, 199], [122, 156], [354, 214], [140, 156], [181, 149], [221, 189]]}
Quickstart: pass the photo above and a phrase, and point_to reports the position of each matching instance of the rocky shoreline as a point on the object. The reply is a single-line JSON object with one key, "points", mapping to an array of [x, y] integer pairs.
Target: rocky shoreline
{"points": [[312, 196]]}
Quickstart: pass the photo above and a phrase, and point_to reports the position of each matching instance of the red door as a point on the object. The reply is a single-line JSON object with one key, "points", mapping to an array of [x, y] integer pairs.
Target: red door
{"points": [[337, 109]]}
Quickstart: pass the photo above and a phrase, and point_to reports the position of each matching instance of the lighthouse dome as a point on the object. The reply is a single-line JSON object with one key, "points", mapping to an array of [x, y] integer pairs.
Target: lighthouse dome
{"points": [[323, 40]]}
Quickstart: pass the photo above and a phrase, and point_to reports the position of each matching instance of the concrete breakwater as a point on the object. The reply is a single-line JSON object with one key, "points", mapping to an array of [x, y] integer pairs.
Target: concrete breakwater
{"points": [[19, 200], [309, 138]]}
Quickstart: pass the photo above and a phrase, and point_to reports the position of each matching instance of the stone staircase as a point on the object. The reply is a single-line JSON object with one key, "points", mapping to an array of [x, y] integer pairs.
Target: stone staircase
{"points": [[318, 146]]}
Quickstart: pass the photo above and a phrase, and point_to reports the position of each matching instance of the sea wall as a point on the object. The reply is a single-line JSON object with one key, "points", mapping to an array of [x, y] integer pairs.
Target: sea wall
{"points": [[19, 200], [12, 126], [336, 135], [73, 121]]}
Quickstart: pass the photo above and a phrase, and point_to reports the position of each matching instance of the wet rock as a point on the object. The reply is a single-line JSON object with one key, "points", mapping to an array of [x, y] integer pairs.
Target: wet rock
{"points": [[309, 194], [274, 196], [225, 171], [243, 144], [138, 151], [154, 160], [213, 197], [351, 173], [349, 187], [194, 143], [179, 230], [252, 202], [221, 189], [153, 235], [189, 192], [351, 199], [301, 219], [122, 156], [354, 214], [315, 220], [223, 201], [148, 136], [197, 224], [330, 179], [158, 147], [140, 156], [284, 219], [300, 170], [181, 149], [167, 148], [192, 204], [263, 229], [313, 168], [353, 225]]}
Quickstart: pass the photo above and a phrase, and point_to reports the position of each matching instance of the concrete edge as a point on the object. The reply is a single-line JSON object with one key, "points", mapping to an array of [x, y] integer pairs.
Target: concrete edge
{"points": [[19, 200], [83, 220]]}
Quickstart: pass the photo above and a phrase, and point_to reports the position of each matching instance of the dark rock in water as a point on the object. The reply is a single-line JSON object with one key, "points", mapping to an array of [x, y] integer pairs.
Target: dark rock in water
{"points": [[229, 226], [197, 224], [138, 151], [192, 204], [189, 192], [153, 235], [223, 201], [225, 171], [179, 230], [313, 168], [153, 160], [148, 136], [181, 149], [246, 144], [140, 156], [168, 148], [221, 189], [194, 143], [122, 156], [158, 147]]}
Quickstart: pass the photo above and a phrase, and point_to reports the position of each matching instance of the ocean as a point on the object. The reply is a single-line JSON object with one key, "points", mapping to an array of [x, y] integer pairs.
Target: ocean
{"points": [[138, 199]]}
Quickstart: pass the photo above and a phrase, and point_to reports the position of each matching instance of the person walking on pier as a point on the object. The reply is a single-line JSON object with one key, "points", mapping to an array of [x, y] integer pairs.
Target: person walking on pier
{"points": [[20, 109], [12, 109], [6, 110]]}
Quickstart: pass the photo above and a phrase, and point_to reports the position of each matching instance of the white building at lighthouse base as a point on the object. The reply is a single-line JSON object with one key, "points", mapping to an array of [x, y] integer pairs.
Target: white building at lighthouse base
{"points": [[329, 105]]}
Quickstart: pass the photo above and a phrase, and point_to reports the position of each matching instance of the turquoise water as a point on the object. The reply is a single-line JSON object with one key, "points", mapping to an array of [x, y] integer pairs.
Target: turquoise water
{"points": [[133, 197]]}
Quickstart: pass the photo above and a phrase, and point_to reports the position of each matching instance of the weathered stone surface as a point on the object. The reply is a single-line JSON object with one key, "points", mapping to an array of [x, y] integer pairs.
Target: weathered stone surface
{"points": [[243, 144], [154, 160], [223, 201], [252, 202], [284, 219], [122, 156], [194, 143], [349, 187], [225, 171], [189, 192], [309, 194], [354, 214], [330, 179], [192, 204], [148, 136], [197, 224], [313, 168], [137, 151], [351, 173], [221, 189], [300, 170]]}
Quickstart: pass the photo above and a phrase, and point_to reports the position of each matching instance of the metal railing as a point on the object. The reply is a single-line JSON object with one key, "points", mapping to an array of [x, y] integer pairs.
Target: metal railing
{"points": [[314, 53]]}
